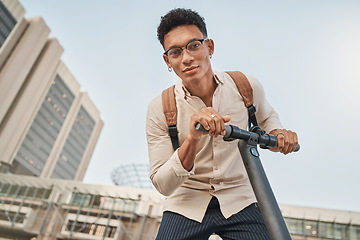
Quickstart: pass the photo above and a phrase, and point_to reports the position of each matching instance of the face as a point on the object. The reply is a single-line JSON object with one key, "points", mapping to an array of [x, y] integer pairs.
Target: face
{"points": [[190, 68]]}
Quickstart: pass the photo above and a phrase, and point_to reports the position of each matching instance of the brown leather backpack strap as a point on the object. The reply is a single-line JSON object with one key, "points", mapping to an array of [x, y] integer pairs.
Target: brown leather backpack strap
{"points": [[169, 105], [246, 91], [244, 87], [170, 111]]}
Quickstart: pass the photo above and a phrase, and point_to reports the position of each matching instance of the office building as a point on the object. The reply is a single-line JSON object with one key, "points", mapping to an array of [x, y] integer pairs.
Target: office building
{"points": [[56, 209], [48, 130], [48, 127]]}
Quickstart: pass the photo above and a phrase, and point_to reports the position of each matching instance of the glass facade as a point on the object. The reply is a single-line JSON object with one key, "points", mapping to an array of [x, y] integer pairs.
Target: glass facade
{"points": [[10, 194], [82, 211], [104, 202], [24, 192], [39, 140], [102, 207], [33, 207], [322, 230], [93, 229], [16, 217], [7, 23], [74, 148]]}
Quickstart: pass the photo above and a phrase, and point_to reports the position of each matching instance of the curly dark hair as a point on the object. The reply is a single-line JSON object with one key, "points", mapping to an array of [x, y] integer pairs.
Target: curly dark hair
{"points": [[178, 17]]}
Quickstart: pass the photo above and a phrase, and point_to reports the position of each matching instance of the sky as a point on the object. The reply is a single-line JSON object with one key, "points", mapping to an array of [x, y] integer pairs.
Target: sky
{"points": [[305, 53]]}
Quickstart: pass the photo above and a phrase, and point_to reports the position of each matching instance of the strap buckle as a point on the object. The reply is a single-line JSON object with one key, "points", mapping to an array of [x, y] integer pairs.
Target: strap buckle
{"points": [[174, 136], [251, 110], [173, 130], [252, 117]]}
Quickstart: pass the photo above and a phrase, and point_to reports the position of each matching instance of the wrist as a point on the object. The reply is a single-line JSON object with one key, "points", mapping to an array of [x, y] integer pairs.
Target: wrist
{"points": [[193, 139]]}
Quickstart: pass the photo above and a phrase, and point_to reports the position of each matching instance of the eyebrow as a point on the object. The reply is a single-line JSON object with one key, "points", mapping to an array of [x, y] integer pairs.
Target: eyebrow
{"points": [[175, 46]]}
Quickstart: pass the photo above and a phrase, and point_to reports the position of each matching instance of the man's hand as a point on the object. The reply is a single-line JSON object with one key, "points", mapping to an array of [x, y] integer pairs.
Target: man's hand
{"points": [[287, 140], [211, 120]]}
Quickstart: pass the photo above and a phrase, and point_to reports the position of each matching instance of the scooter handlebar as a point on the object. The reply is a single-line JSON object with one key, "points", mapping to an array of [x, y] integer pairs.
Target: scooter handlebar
{"points": [[233, 132]]}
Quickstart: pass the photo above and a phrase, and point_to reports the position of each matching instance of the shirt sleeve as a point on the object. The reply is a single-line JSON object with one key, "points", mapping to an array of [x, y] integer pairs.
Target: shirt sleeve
{"points": [[166, 170], [266, 115]]}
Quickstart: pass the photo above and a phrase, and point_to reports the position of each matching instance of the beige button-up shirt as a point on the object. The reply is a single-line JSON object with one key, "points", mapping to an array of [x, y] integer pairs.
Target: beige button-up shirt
{"points": [[218, 169]]}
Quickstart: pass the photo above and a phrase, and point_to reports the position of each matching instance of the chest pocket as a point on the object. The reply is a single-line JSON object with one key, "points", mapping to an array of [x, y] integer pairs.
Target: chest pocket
{"points": [[238, 115]]}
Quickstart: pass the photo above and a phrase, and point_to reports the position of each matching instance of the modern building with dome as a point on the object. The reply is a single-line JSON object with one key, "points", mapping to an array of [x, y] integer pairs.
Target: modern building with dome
{"points": [[48, 131]]}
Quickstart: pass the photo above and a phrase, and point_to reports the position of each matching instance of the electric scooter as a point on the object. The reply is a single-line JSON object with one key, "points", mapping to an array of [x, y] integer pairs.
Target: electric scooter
{"points": [[268, 205]]}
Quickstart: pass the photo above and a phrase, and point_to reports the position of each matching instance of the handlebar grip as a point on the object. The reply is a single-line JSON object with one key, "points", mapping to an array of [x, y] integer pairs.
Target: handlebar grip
{"points": [[201, 128], [297, 148], [231, 131]]}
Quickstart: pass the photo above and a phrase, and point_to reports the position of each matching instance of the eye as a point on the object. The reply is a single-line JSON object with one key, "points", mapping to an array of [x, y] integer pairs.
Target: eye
{"points": [[174, 52], [194, 45]]}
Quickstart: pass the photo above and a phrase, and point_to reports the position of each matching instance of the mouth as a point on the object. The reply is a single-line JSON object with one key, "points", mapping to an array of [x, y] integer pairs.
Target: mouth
{"points": [[190, 69]]}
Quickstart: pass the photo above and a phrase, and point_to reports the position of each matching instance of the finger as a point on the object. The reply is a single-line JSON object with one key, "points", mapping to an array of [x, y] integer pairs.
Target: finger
{"points": [[226, 118], [281, 141], [295, 141], [219, 123], [204, 123], [210, 117], [275, 149], [202, 118], [287, 143], [219, 126]]}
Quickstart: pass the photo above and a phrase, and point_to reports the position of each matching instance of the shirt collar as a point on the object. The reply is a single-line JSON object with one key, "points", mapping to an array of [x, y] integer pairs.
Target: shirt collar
{"points": [[186, 92], [218, 79]]}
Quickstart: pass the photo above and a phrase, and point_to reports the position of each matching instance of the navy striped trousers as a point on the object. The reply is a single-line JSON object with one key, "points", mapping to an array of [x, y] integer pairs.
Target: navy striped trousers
{"points": [[247, 224]]}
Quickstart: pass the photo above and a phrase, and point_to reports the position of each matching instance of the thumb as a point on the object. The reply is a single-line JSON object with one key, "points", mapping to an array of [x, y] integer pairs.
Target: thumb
{"points": [[226, 118]]}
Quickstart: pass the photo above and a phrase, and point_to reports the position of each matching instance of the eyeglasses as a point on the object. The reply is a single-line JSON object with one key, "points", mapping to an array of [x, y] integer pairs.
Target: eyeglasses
{"points": [[193, 47]]}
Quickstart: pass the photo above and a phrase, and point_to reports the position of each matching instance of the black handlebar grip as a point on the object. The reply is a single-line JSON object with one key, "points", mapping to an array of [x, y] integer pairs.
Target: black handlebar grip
{"points": [[229, 132]]}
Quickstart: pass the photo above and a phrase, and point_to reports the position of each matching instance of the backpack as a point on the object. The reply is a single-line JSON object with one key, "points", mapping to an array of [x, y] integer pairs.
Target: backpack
{"points": [[170, 110]]}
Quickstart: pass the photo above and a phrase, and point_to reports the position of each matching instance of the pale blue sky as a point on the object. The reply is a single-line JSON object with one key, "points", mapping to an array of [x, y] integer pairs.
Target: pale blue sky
{"points": [[305, 53]]}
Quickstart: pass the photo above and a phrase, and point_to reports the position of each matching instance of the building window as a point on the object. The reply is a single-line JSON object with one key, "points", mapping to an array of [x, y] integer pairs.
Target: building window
{"points": [[102, 202], [75, 145], [16, 217], [80, 199], [354, 232], [295, 226], [7, 23], [32, 193], [311, 228], [93, 229], [323, 230], [44, 130]]}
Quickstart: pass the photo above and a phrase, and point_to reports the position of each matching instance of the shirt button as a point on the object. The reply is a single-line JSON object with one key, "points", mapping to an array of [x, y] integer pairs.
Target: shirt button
{"points": [[216, 168]]}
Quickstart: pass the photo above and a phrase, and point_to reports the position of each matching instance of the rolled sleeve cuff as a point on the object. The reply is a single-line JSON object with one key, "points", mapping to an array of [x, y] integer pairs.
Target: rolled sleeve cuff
{"points": [[178, 168]]}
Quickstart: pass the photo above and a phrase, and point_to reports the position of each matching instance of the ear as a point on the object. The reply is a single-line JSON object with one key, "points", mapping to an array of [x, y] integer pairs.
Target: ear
{"points": [[166, 59], [211, 46]]}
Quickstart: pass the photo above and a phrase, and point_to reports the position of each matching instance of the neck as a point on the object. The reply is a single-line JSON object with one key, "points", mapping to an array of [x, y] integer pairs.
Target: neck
{"points": [[204, 89]]}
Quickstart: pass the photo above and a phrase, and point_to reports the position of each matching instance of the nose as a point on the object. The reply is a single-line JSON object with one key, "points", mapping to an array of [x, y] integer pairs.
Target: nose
{"points": [[186, 56]]}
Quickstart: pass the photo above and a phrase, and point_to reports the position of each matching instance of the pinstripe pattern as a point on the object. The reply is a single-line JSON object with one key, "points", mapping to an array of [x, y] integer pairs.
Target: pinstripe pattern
{"points": [[248, 224]]}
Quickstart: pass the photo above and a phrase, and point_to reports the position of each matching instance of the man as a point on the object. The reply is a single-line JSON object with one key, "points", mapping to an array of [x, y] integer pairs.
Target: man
{"points": [[205, 180]]}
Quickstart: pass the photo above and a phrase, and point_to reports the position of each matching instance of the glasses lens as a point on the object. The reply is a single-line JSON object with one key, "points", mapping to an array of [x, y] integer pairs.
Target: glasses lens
{"points": [[194, 47], [175, 54]]}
